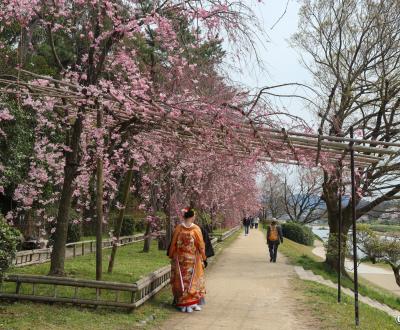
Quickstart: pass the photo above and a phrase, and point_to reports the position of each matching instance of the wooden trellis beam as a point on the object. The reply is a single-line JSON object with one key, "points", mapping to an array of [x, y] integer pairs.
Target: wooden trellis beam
{"points": [[241, 132]]}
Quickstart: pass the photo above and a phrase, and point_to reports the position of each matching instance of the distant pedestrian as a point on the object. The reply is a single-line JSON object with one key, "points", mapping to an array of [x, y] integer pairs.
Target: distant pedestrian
{"points": [[256, 221], [274, 238], [246, 225], [251, 222]]}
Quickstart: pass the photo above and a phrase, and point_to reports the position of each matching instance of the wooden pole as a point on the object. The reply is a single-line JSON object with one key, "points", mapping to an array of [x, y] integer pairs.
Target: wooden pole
{"points": [[99, 206], [340, 237], [353, 216]]}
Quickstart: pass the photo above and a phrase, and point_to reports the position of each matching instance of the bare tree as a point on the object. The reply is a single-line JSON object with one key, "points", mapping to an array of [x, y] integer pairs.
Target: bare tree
{"points": [[273, 188], [303, 196], [354, 47]]}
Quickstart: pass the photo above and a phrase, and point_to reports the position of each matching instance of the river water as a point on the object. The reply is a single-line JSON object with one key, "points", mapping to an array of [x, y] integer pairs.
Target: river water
{"points": [[323, 233]]}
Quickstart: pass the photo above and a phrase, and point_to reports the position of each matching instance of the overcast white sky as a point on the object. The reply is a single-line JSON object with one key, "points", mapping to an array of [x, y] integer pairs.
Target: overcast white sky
{"points": [[280, 60]]}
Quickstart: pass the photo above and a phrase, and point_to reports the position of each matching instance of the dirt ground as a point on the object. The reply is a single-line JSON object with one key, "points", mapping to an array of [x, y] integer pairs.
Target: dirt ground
{"points": [[246, 291]]}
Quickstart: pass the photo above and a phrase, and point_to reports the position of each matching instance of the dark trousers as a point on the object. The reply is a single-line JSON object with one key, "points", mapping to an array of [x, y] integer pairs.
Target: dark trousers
{"points": [[256, 225], [273, 249], [246, 229]]}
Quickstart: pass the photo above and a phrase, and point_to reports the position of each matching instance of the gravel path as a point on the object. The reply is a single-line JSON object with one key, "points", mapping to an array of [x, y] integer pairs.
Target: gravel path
{"points": [[246, 291]]}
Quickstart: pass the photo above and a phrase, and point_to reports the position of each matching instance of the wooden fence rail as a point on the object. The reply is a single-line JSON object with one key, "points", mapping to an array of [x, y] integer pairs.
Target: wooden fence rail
{"points": [[228, 233], [89, 292], [32, 257]]}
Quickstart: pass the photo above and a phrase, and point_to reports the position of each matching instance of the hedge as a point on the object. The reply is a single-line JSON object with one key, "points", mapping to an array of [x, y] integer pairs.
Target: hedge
{"points": [[298, 233]]}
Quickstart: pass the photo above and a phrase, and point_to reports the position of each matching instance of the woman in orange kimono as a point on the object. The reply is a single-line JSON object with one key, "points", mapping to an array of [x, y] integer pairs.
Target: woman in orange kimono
{"points": [[187, 253]]}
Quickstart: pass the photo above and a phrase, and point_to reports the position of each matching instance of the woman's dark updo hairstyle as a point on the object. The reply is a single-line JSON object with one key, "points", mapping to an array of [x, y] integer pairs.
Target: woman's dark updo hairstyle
{"points": [[188, 213]]}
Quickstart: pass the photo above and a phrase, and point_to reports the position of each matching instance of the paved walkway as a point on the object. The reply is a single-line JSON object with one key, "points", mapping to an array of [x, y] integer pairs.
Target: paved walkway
{"points": [[374, 274], [245, 291]]}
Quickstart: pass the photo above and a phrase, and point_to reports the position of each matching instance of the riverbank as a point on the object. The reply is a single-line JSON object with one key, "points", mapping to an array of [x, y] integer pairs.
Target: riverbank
{"points": [[303, 256], [379, 276], [321, 300]]}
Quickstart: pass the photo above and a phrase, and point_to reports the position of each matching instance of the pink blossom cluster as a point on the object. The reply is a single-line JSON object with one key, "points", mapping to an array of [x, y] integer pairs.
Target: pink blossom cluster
{"points": [[134, 97]]}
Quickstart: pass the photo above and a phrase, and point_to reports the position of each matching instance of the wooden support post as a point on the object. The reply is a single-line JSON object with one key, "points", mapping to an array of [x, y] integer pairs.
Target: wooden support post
{"points": [[340, 236], [83, 248], [74, 250], [99, 204], [353, 216]]}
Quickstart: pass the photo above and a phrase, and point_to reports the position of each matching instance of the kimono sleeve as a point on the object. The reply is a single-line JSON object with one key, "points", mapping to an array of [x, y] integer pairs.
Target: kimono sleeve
{"points": [[199, 242]]}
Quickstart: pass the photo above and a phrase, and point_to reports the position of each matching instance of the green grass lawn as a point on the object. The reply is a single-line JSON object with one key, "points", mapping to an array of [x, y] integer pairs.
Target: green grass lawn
{"points": [[92, 238], [130, 265], [105, 236], [320, 301], [219, 231], [386, 228], [382, 265], [302, 255]]}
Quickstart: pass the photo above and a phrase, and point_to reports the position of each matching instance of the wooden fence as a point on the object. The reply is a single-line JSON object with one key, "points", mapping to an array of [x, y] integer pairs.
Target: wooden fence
{"points": [[228, 233], [31, 257], [89, 292], [68, 290]]}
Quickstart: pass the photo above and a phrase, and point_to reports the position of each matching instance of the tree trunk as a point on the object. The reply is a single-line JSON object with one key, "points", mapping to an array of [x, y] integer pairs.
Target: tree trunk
{"points": [[332, 253], [29, 228], [120, 218], [396, 272], [99, 206], [147, 238], [70, 172], [89, 227]]}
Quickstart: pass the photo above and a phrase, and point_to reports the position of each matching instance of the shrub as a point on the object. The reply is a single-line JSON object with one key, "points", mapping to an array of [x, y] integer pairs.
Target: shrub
{"points": [[128, 226], [298, 233], [140, 225], [74, 233], [9, 239], [265, 224]]}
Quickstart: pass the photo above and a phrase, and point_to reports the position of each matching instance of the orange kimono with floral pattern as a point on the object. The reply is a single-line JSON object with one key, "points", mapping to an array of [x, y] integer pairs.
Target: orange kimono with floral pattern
{"points": [[187, 252]]}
